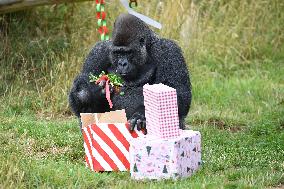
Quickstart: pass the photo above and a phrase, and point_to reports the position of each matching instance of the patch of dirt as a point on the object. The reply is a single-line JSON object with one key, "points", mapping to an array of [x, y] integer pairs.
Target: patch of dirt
{"points": [[280, 186], [30, 149], [65, 115], [220, 124], [281, 102], [51, 151], [29, 146]]}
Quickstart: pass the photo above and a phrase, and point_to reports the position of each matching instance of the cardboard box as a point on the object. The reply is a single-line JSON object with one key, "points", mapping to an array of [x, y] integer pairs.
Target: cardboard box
{"points": [[161, 110], [154, 158], [106, 140]]}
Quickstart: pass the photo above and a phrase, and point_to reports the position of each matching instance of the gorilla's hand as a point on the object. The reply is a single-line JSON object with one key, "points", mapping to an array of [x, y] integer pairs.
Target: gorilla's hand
{"points": [[83, 90], [138, 120], [102, 84], [86, 97]]}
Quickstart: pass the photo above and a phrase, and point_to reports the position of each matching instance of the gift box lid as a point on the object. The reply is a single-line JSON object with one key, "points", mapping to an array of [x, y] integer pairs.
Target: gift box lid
{"points": [[157, 88], [153, 138], [118, 116]]}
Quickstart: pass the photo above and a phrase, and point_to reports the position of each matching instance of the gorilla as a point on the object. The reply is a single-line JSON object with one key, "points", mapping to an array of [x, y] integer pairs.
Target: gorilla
{"points": [[139, 56]]}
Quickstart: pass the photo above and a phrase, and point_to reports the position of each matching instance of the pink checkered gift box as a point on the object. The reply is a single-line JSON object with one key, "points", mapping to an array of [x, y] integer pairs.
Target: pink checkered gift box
{"points": [[161, 110]]}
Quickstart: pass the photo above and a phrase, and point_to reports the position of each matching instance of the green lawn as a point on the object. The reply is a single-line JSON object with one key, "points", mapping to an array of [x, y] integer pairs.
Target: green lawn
{"points": [[239, 113]]}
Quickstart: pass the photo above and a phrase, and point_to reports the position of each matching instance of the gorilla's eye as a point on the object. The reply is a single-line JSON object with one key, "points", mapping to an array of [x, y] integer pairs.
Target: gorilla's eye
{"points": [[142, 41], [122, 53]]}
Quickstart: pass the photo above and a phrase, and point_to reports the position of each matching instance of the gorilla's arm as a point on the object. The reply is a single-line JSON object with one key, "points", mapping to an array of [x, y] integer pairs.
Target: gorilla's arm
{"points": [[85, 96], [172, 71]]}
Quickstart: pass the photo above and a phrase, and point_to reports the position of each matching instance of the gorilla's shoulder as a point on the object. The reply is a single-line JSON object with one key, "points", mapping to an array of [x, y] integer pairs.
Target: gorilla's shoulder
{"points": [[166, 51], [166, 45]]}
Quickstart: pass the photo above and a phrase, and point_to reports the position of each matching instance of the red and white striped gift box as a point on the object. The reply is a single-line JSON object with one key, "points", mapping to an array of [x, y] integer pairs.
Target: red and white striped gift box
{"points": [[161, 110], [107, 145]]}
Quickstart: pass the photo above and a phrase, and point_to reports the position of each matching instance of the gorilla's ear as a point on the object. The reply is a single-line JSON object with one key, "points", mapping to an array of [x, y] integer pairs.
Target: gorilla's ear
{"points": [[142, 41]]}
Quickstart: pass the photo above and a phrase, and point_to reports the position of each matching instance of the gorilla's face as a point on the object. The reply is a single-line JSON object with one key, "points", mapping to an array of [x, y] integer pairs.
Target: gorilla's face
{"points": [[129, 59]]}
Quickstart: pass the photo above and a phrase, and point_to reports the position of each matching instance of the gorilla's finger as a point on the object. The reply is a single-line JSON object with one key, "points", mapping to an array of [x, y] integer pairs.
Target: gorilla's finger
{"points": [[111, 88], [139, 124], [103, 91], [132, 123], [143, 125], [145, 131], [102, 83]]}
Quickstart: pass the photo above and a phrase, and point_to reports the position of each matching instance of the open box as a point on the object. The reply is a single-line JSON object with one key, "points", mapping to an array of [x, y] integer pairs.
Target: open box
{"points": [[106, 140]]}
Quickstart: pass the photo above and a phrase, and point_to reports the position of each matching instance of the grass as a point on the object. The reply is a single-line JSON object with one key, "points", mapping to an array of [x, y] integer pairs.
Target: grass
{"points": [[234, 50], [44, 153]]}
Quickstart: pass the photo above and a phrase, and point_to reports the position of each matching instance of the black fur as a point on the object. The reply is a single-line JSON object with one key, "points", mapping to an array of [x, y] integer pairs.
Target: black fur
{"points": [[139, 56]]}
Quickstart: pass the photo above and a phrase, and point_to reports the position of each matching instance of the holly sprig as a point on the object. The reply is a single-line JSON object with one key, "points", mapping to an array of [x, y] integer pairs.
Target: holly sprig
{"points": [[115, 80]]}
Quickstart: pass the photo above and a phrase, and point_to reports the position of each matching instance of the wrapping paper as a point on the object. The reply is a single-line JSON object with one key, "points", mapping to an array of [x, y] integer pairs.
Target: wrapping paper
{"points": [[161, 110], [106, 140], [154, 158]]}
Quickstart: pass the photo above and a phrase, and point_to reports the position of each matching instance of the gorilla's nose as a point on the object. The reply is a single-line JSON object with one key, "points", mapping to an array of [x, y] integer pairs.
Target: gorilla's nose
{"points": [[123, 66], [123, 63]]}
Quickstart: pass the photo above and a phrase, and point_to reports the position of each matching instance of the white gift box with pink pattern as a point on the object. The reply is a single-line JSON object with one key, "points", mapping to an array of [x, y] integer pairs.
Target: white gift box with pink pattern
{"points": [[161, 110], [152, 157]]}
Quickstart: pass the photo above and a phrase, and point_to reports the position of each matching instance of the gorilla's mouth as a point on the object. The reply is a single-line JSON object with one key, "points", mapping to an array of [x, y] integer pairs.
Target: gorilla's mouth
{"points": [[125, 72], [127, 75]]}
